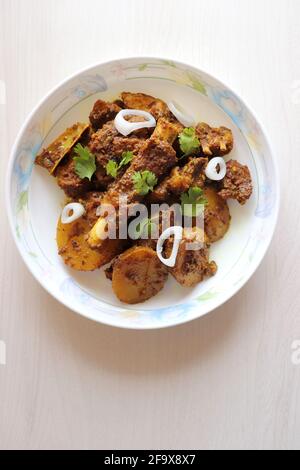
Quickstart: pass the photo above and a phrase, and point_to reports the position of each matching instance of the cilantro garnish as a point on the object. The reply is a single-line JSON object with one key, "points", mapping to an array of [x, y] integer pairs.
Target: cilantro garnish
{"points": [[144, 182], [126, 158], [189, 142], [85, 162], [113, 167], [192, 202]]}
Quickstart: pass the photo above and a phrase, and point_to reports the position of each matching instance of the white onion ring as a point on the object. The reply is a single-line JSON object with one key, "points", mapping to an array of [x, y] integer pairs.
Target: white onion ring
{"points": [[77, 211], [211, 170], [184, 118], [178, 234], [125, 127]]}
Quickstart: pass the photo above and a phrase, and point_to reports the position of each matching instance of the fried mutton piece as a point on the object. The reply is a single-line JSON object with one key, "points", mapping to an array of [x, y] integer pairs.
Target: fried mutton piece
{"points": [[69, 181], [155, 156], [180, 180], [214, 141], [102, 113], [91, 202], [237, 183], [192, 265], [51, 157], [167, 130], [107, 144], [154, 106]]}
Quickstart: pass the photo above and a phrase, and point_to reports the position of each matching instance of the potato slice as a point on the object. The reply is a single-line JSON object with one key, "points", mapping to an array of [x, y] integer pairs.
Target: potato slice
{"points": [[75, 251], [217, 216], [138, 275], [51, 157], [147, 103]]}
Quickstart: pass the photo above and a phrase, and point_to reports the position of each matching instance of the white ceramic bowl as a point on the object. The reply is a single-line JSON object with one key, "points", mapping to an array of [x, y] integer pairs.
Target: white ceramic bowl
{"points": [[34, 201]]}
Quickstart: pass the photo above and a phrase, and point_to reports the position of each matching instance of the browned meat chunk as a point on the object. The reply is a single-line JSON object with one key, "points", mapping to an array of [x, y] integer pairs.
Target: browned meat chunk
{"points": [[147, 103], [119, 103], [214, 141], [237, 183], [91, 202], [180, 180], [102, 113], [167, 131], [69, 181], [107, 144], [192, 266], [101, 179], [155, 156]]}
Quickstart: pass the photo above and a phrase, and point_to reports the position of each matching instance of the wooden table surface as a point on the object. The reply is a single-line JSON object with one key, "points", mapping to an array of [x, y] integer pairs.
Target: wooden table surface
{"points": [[227, 381]]}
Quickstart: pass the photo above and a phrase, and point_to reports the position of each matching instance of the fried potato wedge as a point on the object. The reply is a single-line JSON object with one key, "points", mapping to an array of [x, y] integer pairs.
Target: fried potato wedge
{"points": [[76, 252], [138, 275], [217, 217], [154, 106], [51, 157]]}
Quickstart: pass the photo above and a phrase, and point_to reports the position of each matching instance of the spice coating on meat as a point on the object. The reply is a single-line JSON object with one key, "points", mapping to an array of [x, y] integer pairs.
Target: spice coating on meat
{"points": [[91, 202], [102, 113], [237, 183], [214, 141], [181, 180], [192, 265], [107, 144], [154, 106], [69, 181], [167, 131], [101, 179], [155, 156]]}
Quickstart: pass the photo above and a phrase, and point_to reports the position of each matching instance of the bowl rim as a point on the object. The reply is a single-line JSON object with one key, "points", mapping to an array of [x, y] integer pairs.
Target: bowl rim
{"points": [[235, 289]]}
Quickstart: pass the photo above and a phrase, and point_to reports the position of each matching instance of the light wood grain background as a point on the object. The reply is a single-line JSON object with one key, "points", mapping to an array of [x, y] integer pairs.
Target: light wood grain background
{"points": [[225, 381]]}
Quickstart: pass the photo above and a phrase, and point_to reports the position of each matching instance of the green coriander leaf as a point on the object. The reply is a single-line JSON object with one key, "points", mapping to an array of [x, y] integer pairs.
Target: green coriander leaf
{"points": [[192, 202], [85, 162], [112, 168], [139, 183], [151, 179], [144, 182], [126, 158], [189, 142]]}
